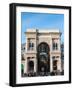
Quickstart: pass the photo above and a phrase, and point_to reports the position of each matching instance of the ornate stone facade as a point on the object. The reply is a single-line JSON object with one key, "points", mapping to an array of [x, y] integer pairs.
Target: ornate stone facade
{"points": [[42, 52]]}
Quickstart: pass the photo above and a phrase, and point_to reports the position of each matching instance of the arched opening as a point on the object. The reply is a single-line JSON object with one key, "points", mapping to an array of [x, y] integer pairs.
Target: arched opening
{"points": [[43, 58], [31, 66], [55, 65]]}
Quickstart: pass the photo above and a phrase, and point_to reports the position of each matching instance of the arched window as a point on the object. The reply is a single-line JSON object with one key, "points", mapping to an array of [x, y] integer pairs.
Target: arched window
{"points": [[43, 47]]}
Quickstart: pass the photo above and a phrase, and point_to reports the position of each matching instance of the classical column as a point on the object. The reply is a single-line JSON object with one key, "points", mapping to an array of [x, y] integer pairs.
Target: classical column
{"points": [[26, 66], [51, 44], [59, 64], [35, 46], [35, 65], [51, 61], [59, 44], [26, 44], [36, 42]]}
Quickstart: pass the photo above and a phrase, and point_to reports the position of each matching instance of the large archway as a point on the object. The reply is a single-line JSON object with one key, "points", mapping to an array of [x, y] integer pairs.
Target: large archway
{"points": [[43, 58]]}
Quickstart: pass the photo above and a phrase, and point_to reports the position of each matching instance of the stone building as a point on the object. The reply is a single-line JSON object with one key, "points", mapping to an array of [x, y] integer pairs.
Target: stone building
{"points": [[42, 54]]}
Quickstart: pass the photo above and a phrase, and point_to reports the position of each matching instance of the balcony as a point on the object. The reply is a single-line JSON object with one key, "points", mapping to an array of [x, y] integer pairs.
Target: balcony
{"points": [[55, 52], [31, 50]]}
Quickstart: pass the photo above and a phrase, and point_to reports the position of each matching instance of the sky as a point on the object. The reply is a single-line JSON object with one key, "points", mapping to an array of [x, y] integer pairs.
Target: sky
{"points": [[42, 21]]}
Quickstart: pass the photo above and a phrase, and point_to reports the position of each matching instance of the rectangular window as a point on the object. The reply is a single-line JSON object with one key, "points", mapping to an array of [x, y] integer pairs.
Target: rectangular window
{"points": [[55, 46], [31, 46]]}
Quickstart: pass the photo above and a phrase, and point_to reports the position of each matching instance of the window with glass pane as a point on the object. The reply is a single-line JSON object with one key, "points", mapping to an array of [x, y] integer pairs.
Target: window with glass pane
{"points": [[55, 46], [31, 46]]}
